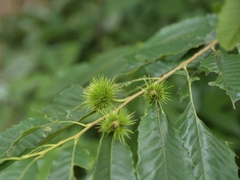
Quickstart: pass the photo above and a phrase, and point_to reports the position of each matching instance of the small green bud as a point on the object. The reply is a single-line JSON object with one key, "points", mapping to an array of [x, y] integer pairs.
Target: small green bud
{"points": [[117, 123], [100, 94], [156, 93]]}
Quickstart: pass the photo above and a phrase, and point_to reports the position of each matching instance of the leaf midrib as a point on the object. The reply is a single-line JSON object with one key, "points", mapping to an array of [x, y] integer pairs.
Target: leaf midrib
{"points": [[196, 120], [111, 155], [199, 140], [163, 147]]}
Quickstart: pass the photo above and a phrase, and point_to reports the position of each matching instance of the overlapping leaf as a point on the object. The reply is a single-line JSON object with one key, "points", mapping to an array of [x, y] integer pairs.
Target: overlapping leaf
{"points": [[227, 66], [114, 161], [159, 68], [172, 40], [9, 137], [69, 156], [62, 167], [229, 24], [66, 100], [161, 154], [211, 157], [21, 170], [111, 63], [42, 129]]}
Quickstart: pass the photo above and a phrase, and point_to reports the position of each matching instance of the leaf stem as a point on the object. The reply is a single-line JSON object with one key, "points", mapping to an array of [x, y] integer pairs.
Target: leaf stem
{"points": [[127, 100], [125, 84], [119, 100]]}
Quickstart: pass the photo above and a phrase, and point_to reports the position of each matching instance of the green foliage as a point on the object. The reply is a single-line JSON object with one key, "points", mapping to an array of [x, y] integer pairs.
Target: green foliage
{"points": [[229, 25], [69, 157], [173, 39], [201, 144], [78, 64], [17, 132], [226, 66], [114, 160], [24, 169], [161, 154]]}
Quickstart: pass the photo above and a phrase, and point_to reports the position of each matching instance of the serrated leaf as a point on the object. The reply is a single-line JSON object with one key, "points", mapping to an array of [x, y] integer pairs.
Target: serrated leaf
{"points": [[114, 161], [45, 134], [21, 170], [34, 139], [171, 40], [68, 157], [211, 157], [9, 137], [229, 25], [161, 154], [227, 67], [63, 110]]}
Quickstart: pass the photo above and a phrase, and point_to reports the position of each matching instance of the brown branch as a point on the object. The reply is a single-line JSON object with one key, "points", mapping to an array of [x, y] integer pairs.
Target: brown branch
{"points": [[88, 126]]}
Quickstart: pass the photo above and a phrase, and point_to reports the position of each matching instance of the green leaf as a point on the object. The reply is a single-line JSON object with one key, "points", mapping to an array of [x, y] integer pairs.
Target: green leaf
{"points": [[45, 164], [161, 154], [69, 156], [111, 63], [9, 137], [68, 99], [158, 68], [63, 110], [34, 139], [114, 161], [173, 39], [211, 157], [46, 133], [227, 67], [21, 170], [229, 25]]}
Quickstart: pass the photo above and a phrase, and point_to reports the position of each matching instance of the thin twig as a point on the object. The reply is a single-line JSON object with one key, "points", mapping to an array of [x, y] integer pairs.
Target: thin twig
{"points": [[129, 99]]}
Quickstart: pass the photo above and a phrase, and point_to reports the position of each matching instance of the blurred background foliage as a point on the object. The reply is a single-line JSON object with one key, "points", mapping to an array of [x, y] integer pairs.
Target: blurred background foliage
{"points": [[47, 48]]}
